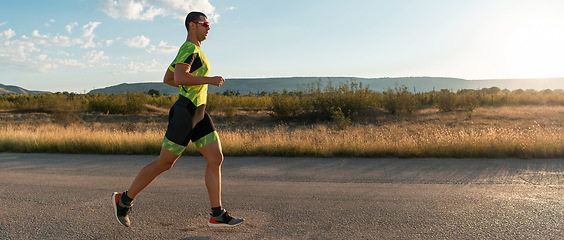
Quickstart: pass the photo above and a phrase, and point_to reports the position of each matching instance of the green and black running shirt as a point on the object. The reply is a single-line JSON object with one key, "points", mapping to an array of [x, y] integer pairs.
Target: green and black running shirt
{"points": [[192, 55]]}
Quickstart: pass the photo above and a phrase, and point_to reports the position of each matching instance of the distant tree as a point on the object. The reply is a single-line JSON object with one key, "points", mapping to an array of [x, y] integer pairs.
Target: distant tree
{"points": [[492, 92], [231, 93], [445, 100], [519, 91], [154, 93]]}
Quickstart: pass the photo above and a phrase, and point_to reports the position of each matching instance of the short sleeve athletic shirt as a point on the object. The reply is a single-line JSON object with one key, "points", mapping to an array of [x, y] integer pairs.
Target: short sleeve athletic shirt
{"points": [[192, 55]]}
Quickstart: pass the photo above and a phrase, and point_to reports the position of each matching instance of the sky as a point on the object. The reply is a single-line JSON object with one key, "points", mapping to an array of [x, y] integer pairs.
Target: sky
{"points": [[80, 45]]}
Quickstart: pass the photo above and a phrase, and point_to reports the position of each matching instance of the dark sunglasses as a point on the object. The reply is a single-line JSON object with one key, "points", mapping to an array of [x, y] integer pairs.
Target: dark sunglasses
{"points": [[205, 24]]}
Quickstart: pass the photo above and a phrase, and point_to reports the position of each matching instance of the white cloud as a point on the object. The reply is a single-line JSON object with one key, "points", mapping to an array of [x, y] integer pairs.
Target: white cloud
{"points": [[69, 62], [70, 26], [39, 39], [162, 47], [8, 34], [88, 34], [47, 64], [15, 51], [3, 23], [141, 67], [35, 50], [48, 24], [153, 66], [95, 56], [20, 54], [49, 52], [149, 9], [138, 42], [63, 53], [36, 34], [131, 9], [61, 41]]}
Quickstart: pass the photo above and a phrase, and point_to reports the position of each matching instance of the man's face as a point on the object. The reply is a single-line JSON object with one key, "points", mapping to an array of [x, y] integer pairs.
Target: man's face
{"points": [[202, 27]]}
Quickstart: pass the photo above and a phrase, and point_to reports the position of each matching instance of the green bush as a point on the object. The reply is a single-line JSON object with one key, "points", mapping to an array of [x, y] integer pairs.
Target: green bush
{"points": [[340, 120], [400, 99], [231, 112], [286, 107], [253, 102], [163, 101], [218, 103], [129, 103], [467, 100], [319, 100], [352, 99], [445, 100], [48, 102]]}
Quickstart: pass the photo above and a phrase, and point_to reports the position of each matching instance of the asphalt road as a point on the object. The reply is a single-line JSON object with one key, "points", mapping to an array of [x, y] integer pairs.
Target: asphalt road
{"points": [[56, 196]]}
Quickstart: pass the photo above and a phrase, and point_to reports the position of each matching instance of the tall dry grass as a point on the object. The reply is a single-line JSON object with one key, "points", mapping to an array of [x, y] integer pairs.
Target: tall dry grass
{"points": [[397, 141], [526, 132], [54, 138]]}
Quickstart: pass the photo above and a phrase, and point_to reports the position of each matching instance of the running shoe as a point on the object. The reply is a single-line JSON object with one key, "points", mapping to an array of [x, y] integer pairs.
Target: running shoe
{"points": [[224, 220], [120, 209]]}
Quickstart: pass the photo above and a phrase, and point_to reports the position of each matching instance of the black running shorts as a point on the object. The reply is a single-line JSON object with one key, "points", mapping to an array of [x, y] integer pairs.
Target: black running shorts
{"points": [[186, 123]]}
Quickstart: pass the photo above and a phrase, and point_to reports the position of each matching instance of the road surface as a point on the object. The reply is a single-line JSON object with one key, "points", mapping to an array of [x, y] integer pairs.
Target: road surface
{"points": [[59, 196]]}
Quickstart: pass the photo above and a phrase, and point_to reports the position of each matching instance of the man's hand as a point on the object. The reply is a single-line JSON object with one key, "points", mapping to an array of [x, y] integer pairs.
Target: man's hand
{"points": [[217, 81]]}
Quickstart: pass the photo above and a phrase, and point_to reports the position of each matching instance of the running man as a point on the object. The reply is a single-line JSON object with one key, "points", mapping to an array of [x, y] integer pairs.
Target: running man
{"points": [[187, 122]]}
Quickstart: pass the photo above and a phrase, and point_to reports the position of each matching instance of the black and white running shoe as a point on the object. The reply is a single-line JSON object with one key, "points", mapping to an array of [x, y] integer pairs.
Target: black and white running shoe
{"points": [[120, 209], [224, 220]]}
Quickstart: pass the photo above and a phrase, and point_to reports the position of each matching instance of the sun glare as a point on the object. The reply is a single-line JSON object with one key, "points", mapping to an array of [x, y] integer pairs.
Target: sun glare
{"points": [[535, 47]]}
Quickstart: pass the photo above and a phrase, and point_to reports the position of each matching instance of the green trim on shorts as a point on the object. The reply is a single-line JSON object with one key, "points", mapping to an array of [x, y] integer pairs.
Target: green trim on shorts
{"points": [[205, 140], [175, 148]]}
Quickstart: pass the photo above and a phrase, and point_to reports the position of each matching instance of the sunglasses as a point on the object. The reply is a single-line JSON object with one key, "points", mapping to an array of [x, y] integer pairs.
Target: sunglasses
{"points": [[204, 24]]}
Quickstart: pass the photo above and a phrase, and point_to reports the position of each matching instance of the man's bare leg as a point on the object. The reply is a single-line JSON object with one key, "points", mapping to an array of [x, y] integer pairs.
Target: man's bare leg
{"points": [[214, 157], [164, 162], [122, 201]]}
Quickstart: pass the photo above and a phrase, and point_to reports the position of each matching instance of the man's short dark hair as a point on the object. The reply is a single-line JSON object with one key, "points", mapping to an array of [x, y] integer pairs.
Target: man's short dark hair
{"points": [[193, 17]]}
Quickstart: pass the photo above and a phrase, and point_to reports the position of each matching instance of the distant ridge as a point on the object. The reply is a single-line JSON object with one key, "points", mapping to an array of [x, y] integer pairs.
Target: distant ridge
{"points": [[8, 89], [417, 84]]}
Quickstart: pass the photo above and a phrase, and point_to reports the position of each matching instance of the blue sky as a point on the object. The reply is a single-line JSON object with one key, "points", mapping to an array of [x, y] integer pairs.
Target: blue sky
{"points": [[79, 45]]}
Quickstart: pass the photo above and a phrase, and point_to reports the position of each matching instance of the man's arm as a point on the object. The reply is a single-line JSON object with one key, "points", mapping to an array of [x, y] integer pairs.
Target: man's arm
{"points": [[169, 78], [182, 76]]}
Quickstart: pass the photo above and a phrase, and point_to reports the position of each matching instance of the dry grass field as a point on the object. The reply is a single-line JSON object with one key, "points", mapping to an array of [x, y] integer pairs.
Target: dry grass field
{"points": [[496, 132]]}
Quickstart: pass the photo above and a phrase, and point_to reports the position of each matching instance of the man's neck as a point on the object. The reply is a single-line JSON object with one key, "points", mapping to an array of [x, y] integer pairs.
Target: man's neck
{"points": [[193, 40]]}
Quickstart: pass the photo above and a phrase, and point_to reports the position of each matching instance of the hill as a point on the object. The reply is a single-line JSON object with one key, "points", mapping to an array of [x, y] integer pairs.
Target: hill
{"points": [[8, 89], [418, 84]]}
